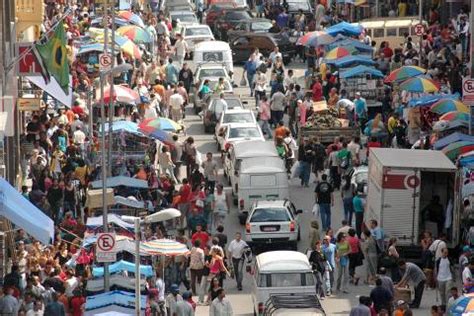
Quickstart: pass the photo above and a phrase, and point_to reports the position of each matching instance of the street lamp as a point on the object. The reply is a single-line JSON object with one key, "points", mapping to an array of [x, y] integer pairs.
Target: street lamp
{"points": [[160, 216], [114, 70]]}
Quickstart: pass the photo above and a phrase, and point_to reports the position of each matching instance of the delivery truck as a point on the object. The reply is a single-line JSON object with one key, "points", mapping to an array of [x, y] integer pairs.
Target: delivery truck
{"points": [[402, 183]]}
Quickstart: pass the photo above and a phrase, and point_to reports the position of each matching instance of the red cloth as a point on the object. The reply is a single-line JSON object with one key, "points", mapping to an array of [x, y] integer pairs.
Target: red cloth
{"points": [[388, 52], [185, 193], [372, 145], [77, 110], [76, 304], [202, 236]]}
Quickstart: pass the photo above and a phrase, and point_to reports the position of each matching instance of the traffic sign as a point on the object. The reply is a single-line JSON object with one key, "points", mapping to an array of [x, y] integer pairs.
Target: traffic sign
{"points": [[29, 64], [106, 242], [468, 91], [105, 251], [105, 61], [419, 29]]}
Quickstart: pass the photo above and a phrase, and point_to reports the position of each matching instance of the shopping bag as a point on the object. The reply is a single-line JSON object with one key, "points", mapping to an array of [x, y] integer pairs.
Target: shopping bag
{"points": [[315, 210], [243, 82]]}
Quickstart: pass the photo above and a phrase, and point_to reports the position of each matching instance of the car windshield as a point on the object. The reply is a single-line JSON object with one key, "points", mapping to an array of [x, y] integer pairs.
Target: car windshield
{"points": [[244, 132], [237, 15], [233, 103], [270, 215], [198, 31], [184, 17], [213, 84], [237, 118], [212, 73], [261, 26], [295, 6], [286, 279]]}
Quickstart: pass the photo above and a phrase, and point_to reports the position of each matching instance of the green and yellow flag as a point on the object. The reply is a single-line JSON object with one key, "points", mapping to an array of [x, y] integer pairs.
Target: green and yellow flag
{"points": [[53, 55]]}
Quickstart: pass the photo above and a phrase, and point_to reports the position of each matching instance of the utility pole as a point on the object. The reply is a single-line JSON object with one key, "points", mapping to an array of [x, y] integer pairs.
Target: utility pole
{"points": [[111, 100], [471, 59], [102, 148]]}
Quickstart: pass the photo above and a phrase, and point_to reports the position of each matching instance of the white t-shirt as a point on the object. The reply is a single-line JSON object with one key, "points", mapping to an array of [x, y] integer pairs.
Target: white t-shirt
{"points": [[160, 286], [437, 247], [466, 275], [181, 47], [444, 271], [70, 285], [176, 101], [236, 248]]}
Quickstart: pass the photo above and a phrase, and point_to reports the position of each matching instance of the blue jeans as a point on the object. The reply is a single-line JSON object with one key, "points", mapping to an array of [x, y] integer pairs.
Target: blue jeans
{"points": [[325, 210], [265, 125], [305, 172], [348, 209]]}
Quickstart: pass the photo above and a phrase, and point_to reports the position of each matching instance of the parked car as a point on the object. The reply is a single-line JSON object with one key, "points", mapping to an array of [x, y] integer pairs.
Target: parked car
{"points": [[255, 25], [210, 69], [293, 304], [193, 34], [273, 222], [214, 52], [179, 5], [198, 102], [239, 4], [233, 116], [243, 45], [227, 20], [185, 17], [215, 10], [214, 108], [236, 132]]}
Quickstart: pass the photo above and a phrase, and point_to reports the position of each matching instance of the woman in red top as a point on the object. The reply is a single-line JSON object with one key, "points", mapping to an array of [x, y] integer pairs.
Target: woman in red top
{"points": [[77, 303], [373, 143], [355, 258], [317, 90]]}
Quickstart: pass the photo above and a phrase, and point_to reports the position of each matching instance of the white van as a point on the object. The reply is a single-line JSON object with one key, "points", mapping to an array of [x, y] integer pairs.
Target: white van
{"points": [[214, 51], [261, 178], [244, 150], [280, 272]]}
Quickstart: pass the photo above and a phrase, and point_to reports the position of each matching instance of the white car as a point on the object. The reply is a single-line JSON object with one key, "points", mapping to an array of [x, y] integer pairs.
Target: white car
{"points": [[236, 132], [193, 34], [273, 222], [242, 116], [210, 70], [185, 17]]}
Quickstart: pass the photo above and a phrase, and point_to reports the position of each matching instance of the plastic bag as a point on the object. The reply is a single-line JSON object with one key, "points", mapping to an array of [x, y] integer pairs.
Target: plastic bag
{"points": [[295, 170], [243, 82], [315, 210]]}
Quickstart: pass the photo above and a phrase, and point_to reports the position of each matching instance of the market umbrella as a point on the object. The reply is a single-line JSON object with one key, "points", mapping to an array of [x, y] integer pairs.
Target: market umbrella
{"points": [[121, 94], [166, 247], [419, 85], [131, 17], [455, 115], [127, 46], [458, 148], [135, 33], [345, 28], [315, 39], [404, 73], [448, 105], [148, 126], [162, 136], [464, 305], [338, 52]]}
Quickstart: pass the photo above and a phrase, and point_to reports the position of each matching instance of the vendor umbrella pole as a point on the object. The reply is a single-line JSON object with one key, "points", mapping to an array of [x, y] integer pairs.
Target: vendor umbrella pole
{"points": [[471, 60], [137, 267], [111, 101]]}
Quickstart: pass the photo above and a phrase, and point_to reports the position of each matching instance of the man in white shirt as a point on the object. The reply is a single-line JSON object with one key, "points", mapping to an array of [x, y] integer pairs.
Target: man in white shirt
{"points": [[438, 245], [181, 48], [176, 102], [275, 54], [354, 148], [444, 276], [79, 137], [236, 253], [221, 306]]}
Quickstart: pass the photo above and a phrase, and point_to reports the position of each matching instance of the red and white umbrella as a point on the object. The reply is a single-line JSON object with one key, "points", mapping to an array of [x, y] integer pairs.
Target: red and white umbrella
{"points": [[120, 94]]}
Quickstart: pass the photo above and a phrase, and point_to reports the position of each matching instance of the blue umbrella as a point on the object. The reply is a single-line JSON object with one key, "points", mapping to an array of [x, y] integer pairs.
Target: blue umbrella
{"points": [[361, 70], [161, 135], [351, 60], [431, 99], [452, 138], [345, 28]]}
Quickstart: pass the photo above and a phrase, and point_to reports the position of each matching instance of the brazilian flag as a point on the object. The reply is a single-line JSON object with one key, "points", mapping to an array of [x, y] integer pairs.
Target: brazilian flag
{"points": [[53, 55]]}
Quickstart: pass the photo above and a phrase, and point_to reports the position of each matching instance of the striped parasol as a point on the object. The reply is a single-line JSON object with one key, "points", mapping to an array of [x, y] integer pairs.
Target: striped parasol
{"points": [[462, 306], [165, 247]]}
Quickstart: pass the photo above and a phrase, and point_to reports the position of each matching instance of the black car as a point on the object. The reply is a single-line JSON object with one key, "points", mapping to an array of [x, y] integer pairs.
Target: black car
{"points": [[243, 45], [255, 25], [228, 20]]}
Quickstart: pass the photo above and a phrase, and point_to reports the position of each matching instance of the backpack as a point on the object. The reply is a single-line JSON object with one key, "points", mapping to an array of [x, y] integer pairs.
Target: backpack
{"points": [[345, 161], [263, 68]]}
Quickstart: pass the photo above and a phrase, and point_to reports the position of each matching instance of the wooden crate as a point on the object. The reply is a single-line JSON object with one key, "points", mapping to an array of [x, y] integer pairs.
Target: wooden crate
{"points": [[402, 294]]}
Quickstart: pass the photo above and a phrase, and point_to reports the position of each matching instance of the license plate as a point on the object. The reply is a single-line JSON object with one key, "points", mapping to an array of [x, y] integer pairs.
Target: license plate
{"points": [[269, 229]]}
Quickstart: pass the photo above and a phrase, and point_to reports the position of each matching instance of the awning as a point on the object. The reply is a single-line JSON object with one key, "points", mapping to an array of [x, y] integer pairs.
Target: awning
{"points": [[454, 137], [351, 60], [361, 71], [116, 301], [130, 201], [24, 214], [121, 181], [53, 89], [112, 218], [345, 29], [123, 265], [431, 99], [97, 285]]}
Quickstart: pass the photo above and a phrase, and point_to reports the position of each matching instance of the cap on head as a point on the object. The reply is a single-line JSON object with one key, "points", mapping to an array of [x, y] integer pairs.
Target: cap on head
{"points": [[187, 295], [174, 288]]}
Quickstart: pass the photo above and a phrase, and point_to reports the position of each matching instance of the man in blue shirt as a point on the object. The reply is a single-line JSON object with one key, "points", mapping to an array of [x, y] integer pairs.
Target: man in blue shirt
{"points": [[377, 233], [358, 202], [329, 251], [250, 68], [282, 19], [172, 72], [360, 110]]}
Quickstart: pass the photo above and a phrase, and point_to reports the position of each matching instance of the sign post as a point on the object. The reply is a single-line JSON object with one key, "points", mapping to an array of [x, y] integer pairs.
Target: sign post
{"points": [[105, 251], [105, 61], [468, 97]]}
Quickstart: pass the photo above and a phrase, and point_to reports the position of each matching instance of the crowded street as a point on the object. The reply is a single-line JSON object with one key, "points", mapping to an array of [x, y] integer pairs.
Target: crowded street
{"points": [[236, 157]]}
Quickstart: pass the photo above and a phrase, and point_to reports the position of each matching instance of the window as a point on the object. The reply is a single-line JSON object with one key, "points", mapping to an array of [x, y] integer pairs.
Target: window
{"points": [[295, 6], [238, 118], [233, 103], [379, 33], [391, 32], [286, 279], [237, 15], [260, 26], [212, 56], [244, 132], [212, 73], [241, 41], [403, 30], [270, 214], [198, 31], [185, 18]]}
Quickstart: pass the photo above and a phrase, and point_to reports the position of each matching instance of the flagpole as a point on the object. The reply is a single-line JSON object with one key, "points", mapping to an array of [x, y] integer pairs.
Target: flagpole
{"points": [[103, 160]]}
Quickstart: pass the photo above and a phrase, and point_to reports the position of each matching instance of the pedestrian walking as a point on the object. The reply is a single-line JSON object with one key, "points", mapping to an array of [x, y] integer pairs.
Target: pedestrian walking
{"points": [[358, 203], [236, 256], [210, 172], [370, 253], [222, 206], [342, 259], [196, 265], [356, 256], [329, 251], [325, 199], [363, 308], [319, 265], [444, 274], [221, 306], [381, 297]]}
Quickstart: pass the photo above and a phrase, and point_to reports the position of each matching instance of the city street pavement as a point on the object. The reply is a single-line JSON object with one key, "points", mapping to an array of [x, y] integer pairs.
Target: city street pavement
{"points": [[303, 198]]}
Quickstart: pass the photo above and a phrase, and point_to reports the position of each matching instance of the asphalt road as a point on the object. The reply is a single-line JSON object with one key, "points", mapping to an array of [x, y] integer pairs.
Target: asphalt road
{"points": [[303, 198]]}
